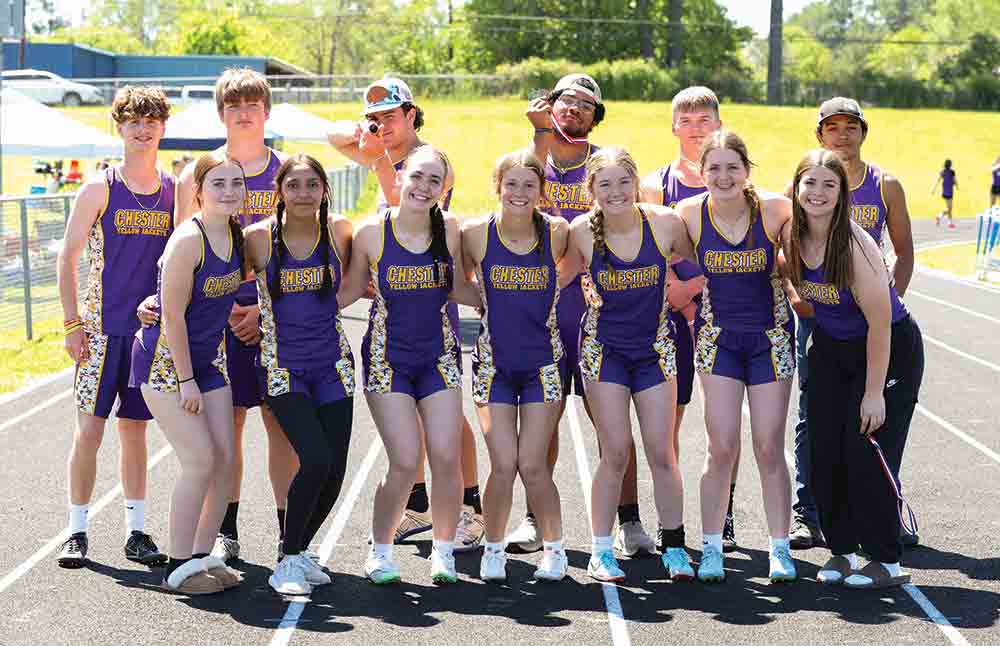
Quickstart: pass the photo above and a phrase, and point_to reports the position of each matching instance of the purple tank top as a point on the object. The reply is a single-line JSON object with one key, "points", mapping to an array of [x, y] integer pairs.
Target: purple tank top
{"points": [[520, 292], [260, 203], [996, 178], [627, 309], [566, 188], [302, 328], [127, 239], [216, 281], [408, 319], [673, 192], [836, 310], [947, 182], [868, 203], [743, 293]]}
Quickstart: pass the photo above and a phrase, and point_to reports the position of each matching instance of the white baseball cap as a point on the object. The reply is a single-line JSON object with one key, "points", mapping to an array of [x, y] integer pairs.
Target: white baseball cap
{"points": [[386, 94], [579, 84]]}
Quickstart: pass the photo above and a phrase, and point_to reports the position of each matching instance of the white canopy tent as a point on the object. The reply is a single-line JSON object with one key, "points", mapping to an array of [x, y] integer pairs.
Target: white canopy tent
{"points": [[31, 128], [295, 124], [198, 127]]}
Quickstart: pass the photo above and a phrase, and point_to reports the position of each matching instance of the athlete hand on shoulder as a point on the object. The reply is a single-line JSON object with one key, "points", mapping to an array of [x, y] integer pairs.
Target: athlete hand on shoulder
{"points": [[149, 310], [872, 413], [244, 322], [191, 397]]}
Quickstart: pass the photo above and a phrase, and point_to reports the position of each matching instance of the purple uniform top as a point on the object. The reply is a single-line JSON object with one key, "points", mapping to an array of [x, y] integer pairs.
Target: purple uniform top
{"points": [[520, 292], [408, 322], [673, 192], [566, 188], [836, 310], [125, 242], [868, 203], [216, 280], [260, 203], [743, 293], [302, 329], [627, 309], [947, 182], [996, 178]]}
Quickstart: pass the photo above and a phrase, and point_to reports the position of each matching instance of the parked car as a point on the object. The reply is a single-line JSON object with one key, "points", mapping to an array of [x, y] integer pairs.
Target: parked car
{"points": [[50, 88]]}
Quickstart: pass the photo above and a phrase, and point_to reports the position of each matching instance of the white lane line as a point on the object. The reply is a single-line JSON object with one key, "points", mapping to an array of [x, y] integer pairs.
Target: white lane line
{"points": [[964, 355], [283, 634], [954, 306], [616, 618], [41, 383], [30, 412], [57, 540], [952, 278], [935, 615], [968, 439]]}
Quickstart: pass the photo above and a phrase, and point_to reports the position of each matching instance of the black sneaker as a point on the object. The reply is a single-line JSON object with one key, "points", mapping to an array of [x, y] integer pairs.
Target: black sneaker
{"points": [[805, 535], [729, 534], [908, 539], [140, 548], [74, 551]]}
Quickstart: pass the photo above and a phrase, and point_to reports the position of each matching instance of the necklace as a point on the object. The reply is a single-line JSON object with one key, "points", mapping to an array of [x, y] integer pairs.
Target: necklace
{"points": [[159, 193]]}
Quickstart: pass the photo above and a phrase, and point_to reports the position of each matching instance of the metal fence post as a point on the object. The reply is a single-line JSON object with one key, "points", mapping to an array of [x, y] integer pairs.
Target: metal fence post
{"points": [[26, 265]]}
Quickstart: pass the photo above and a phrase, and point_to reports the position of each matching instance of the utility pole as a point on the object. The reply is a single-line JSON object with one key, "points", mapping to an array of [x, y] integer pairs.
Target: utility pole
{"points": [[774, 85]]}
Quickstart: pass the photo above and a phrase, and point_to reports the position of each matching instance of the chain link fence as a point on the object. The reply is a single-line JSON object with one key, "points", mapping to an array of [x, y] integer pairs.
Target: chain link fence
{"points": [[31, 236]]}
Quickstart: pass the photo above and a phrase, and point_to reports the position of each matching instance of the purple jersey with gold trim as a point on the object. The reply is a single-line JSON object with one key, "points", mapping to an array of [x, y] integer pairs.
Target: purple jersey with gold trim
{"points": [[743, 292], [260, 203], [836, 310], [566, 188], [673, 192], [301, 328], [408, 321], [868, 203], [947, 182], [520, 292], [996, 178], [627, 309], [124, 245]]}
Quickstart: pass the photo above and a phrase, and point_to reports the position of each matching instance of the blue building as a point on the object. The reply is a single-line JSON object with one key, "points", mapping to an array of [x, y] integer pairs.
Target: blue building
{"points": [[82, 62]]}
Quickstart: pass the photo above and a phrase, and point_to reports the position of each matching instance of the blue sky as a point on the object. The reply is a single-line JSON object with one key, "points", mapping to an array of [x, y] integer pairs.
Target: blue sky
{"points": [[757, 13]]}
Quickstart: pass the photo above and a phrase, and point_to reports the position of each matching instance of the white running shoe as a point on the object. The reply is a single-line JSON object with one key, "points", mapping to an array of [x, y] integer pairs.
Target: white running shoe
{"points": [[525, 538], [631, 539], [470, 531], [290, 577], [226, 548], [553, 566], [381, 570], [493, 566], [314, 573], [443, 567], [603, 566]]}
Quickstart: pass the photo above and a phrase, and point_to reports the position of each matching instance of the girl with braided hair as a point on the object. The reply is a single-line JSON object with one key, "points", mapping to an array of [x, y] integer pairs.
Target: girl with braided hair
{"points": [[412, 256], [627, 349], [299, 258], [744, 339], [519, 360]]}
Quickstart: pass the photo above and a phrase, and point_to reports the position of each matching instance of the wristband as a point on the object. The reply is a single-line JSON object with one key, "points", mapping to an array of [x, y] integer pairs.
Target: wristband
{"points": [[184, 381], [539, 131]]}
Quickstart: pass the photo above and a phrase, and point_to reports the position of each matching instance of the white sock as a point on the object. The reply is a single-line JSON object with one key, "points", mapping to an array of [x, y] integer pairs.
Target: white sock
{"points": [[78, 518], [892, 569], [601, 544], [382, 550], [494, 547], [552, 546], [780, 542], [852, 558], [712, 540], [135, 516], [444, 548]]}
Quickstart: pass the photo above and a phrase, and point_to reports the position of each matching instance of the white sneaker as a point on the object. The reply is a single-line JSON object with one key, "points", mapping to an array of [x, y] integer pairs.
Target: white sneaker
{"points": [[314, 573], [604, 567], [381, 570], [553, 566], [631, 539], [525, 538], [493, 566], [443, 567], [470, 530], [290, 577], [226, 548]]}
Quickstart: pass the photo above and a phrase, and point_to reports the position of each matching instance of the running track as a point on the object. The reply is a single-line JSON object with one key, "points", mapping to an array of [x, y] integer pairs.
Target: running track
{"points": [[950, 475]]}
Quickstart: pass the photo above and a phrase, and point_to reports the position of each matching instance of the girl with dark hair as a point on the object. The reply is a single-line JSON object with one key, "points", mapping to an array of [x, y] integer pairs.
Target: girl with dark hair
{"points": [[743, 343], [412, 256], [180, 363], [519, 360], [299, 258], [949, 182], [865, 367], [628, 350]]}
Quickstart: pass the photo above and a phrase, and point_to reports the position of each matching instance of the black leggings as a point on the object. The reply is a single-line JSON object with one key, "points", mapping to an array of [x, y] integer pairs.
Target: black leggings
{"points": [[857, 505], [320, 437]]}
